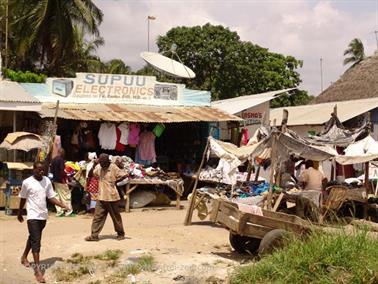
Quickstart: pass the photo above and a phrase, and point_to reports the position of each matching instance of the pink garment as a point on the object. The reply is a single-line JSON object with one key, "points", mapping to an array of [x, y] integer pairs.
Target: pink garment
{"points": [[146, 146], [134, 133], [56, 146], [253, 209]]}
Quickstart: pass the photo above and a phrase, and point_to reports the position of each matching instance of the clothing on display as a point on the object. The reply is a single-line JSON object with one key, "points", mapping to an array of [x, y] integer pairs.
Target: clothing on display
{"points": [[134, 131], [145, 153], [119, 146], [107, 136], [124, 129]]}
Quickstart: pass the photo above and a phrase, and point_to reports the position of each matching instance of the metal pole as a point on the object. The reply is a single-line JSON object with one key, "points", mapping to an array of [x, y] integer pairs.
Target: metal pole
{"points": [[14, 130], [321, 74], [6, 33], [148, 33], [376, 38]]}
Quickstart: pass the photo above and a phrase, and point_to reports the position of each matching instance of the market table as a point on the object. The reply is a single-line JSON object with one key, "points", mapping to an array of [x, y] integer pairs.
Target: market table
{"points": [[176, 184]]}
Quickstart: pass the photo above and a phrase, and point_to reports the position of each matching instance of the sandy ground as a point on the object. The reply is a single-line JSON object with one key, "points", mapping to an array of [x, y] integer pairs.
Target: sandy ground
{"points": [[191, 254]]}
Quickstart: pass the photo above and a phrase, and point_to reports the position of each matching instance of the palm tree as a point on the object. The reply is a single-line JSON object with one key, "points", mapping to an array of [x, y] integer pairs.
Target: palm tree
{"points": [[355, 52], [47, 27], [83, 56], [116, 66]]}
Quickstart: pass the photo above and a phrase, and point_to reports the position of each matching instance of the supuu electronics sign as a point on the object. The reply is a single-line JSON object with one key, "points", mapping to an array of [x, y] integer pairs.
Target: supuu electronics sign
{"points": [[109, 87]]}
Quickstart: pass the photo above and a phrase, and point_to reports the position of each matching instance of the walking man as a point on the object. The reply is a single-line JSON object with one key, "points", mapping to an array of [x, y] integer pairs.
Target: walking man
{"points": [[60, 183], [108, 198], [34, 192]]}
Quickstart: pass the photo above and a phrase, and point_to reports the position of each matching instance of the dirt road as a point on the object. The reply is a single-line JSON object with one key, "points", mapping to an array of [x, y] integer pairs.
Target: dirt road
{"points": [[189, 254]]}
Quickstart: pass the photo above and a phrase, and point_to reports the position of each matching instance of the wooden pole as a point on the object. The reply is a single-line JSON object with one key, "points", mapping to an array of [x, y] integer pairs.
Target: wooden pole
{"points": [[272, 168], [14, 130], [249, 170], [189, 212], [257, 173]]}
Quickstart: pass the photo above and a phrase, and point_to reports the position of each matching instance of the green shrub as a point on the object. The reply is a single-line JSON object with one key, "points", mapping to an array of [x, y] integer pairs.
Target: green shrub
{"points": [[322, 258], [24, 77]]}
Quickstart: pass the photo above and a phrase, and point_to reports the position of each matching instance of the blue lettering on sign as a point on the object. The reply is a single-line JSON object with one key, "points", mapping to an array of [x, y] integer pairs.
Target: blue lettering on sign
{"points": [[89, 79], [104, 79]]}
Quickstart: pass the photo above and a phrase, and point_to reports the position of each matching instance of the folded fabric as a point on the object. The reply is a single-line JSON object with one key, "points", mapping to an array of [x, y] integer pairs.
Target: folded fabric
{"points": [[252, 209]]}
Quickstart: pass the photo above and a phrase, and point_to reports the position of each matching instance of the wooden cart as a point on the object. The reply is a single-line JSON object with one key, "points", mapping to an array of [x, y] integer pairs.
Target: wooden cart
{"points": [[253, 233]]}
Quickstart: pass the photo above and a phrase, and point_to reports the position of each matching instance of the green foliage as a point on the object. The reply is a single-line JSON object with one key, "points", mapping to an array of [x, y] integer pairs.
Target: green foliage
{"points": [[109, 255], [24, 77], [296, 98], [227, 66], [355, 52], [322, 258], [43, 32]]}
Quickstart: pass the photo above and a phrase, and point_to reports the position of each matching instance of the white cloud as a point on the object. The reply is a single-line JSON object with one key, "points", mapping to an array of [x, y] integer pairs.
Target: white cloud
{"points": [[308, 30]]}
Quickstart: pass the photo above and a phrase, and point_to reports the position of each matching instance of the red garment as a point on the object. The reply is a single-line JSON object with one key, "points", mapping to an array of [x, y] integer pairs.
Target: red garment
{"points": [[119, 147], [92, 185], [245, 136]]}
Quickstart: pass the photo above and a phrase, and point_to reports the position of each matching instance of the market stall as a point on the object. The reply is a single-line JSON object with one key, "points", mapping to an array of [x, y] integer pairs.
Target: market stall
{"points": [[15, 172]]}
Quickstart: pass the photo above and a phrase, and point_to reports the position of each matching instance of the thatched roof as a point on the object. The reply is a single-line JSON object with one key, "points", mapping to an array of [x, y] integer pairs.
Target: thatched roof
{"points": [[358, 82]]}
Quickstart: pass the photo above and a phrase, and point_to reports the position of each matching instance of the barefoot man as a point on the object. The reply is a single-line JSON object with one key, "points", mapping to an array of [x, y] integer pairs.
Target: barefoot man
{"points": [[34, 192]]}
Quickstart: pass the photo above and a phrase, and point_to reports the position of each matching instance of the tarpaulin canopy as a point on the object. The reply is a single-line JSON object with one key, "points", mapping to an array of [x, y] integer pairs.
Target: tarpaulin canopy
{"points": [[362, 151], [336, 134], [232, 155], [293, 144]]}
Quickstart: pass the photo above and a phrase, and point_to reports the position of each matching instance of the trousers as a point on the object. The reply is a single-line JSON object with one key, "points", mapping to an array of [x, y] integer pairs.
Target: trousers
{"points": [[102, 209]]}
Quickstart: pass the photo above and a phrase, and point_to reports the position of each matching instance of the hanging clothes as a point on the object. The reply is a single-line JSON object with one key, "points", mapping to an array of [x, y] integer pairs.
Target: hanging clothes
{"points": [[107, 136], [146, 153], [120, 147], [124, 129], [134, 131]]}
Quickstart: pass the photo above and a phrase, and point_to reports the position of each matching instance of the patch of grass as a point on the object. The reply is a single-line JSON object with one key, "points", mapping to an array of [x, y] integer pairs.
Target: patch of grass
{"points": [[70, 274], [146, 262], [109, 255], [95, 282], [321, 258], [78, 258]]}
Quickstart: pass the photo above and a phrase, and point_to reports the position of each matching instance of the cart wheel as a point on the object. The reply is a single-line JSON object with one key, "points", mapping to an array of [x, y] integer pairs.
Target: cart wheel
{"points": [[272, 240], [243, 244]]}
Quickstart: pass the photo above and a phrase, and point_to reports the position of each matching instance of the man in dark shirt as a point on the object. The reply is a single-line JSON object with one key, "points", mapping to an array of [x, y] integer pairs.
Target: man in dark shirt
{"points": [[60, 184]]}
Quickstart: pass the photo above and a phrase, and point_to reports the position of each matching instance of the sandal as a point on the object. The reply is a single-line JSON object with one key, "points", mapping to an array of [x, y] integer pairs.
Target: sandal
{"points": [[91, 239]]}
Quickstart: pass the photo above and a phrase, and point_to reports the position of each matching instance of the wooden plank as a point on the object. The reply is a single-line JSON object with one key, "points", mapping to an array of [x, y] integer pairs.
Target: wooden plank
{"points": [[255, 231], [278, 202], [214, 210], [228, 221], [286, 217]]}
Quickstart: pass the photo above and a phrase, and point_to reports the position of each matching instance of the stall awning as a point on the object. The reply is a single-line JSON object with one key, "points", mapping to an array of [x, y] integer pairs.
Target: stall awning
{"points": [[317, 114], [14, 98], [136, 113], [238, 104]]}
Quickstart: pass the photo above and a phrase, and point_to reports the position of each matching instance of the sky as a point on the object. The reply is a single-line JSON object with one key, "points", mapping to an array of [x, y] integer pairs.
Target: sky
{"points": [[308, 30]]}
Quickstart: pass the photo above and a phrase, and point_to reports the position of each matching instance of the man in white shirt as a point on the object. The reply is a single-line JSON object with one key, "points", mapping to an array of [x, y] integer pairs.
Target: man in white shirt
{"points": [[34, 192]]}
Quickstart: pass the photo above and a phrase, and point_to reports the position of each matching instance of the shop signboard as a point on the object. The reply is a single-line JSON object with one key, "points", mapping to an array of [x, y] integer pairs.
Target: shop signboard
{"points": [[255, 115], [117, 89]]}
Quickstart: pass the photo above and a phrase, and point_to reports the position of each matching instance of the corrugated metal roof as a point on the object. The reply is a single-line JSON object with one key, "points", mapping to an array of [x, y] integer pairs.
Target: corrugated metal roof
{"points": [[13, 92], [318, 114], [136, 113], [238, 104]]}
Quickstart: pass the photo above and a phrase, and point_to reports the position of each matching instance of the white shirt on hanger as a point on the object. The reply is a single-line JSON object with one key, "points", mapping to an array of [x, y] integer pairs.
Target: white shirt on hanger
{"points": [[124, 128], [107, 136]]}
